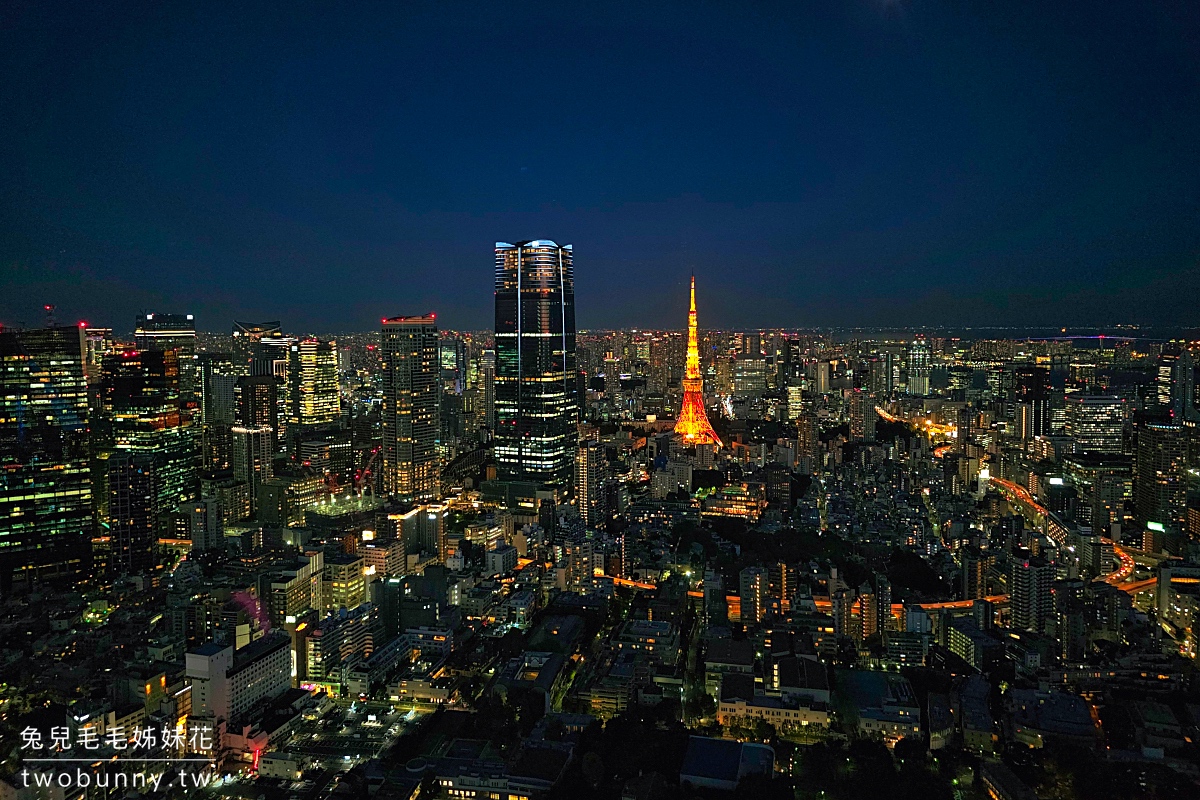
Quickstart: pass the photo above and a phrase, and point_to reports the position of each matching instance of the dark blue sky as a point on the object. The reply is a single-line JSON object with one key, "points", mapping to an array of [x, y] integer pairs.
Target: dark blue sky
{"points": [[817, 163]]}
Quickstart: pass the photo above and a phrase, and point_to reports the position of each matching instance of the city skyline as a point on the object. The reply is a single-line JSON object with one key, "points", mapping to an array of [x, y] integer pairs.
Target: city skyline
{"points": [[34, 315], [1157, 330], [871, 163], [834, 434]]}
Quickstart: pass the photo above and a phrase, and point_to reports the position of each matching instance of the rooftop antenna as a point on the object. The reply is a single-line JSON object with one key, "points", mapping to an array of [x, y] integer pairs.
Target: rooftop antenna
{"points": [[49, 315]]}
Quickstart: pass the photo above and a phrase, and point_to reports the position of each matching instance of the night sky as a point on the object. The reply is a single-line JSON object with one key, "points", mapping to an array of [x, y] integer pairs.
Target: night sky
{"points": [[851, 162]]}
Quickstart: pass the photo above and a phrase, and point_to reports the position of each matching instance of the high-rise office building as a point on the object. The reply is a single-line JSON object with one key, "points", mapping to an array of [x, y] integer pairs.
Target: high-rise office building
{"points": [[589, 483], [98, 344], [453, 423], [452, 358], [257, 401], [880, 372], [253, 454], [537, 390], [411, 410], [919, 363], [423, 529], [176, 332], [218, 409], [1159, 473], [1174, 381], [824, 377], [1104, 483], [132, 513], [247, 337], [312, 372], [749, 374], [667, 362], [808, 441], [487, 390], [1032, 395], [795, 401], [783, 353], [260, 349], [140, 393], [271, 355], [45, 484], [271, 359], [752, 344], [1095, 423], [966, 427]]}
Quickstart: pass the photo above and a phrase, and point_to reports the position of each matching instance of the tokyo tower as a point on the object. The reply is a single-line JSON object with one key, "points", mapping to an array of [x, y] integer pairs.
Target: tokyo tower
{"points": [[693, 424]]}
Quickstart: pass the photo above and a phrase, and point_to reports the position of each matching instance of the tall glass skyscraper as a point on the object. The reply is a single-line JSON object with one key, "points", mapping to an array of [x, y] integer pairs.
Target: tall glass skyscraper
{"points": [[411, 413], [1174, 381], [260, 348], [313, 382], [919, 362], [1032, 394], [247, 341], [133, 506], [1159, 472], [173, 332], [177, 332], [141, 395], [1095, 423], [218, 382], [537, 392], [253, 448], [45, 485]]}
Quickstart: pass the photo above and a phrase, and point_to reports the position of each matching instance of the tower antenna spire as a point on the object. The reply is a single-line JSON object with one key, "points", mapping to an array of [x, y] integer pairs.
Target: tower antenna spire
{"points": [[693, 424]]}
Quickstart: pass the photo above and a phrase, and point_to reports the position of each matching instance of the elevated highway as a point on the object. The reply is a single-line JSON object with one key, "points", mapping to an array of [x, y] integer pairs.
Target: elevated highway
{"points": [[1039, 515]]}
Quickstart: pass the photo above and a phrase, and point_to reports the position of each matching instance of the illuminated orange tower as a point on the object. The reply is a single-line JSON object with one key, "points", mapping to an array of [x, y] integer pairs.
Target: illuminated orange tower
{"points": [[693, 424]]}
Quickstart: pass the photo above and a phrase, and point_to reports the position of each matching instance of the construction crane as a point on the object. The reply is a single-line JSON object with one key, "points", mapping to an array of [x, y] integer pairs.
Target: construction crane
{"points": [[362, 476], [360, 480]]}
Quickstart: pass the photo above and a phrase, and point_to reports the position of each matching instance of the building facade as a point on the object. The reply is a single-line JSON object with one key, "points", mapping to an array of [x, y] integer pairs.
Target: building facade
{"points": [[133, 491], [141, 396], [176, 332], [1159, 477], [313, 382], [1095, 423], [589, 483], [45, 486], [536, 384], [411, 400]]}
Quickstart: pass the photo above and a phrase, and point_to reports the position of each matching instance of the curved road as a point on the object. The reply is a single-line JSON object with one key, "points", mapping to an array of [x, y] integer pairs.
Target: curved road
{"points": [[1035, 511]]}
